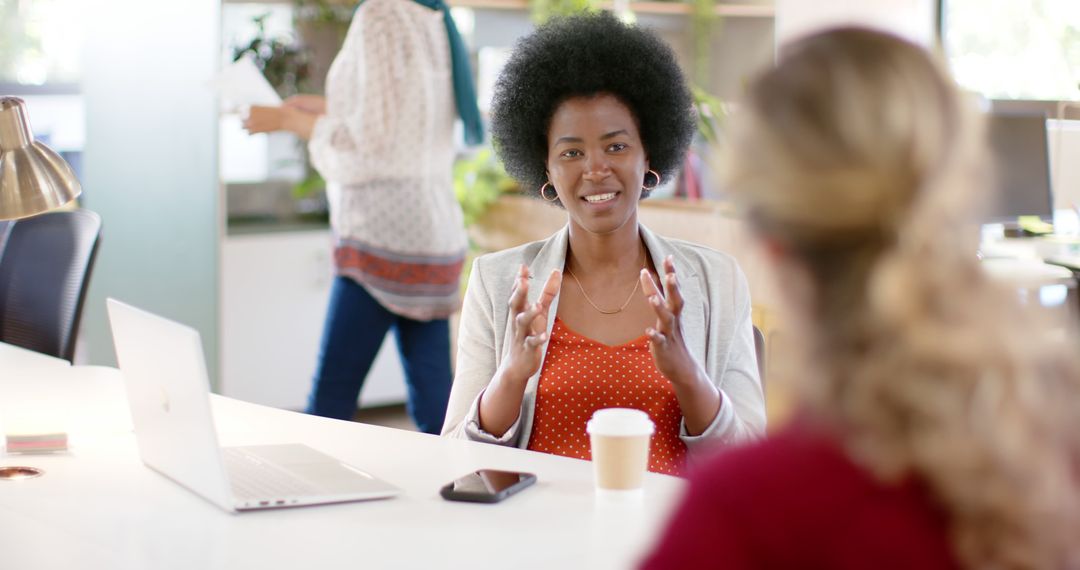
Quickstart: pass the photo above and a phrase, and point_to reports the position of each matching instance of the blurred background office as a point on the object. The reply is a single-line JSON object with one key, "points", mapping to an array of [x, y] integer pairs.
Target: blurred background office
{"points": [[229, 233]]}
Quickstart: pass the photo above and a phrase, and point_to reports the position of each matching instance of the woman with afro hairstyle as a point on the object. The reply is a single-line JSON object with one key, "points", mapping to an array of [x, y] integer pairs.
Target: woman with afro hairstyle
{"points": [[940, 424], [591, 114]]}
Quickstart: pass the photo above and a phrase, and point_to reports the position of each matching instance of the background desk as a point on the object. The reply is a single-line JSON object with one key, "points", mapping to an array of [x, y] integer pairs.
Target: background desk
{"points": [[99, 507], [1040, 271]]}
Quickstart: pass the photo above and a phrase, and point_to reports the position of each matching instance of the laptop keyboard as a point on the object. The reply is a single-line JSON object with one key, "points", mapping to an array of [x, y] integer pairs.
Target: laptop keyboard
{"points": [[253, 478]]}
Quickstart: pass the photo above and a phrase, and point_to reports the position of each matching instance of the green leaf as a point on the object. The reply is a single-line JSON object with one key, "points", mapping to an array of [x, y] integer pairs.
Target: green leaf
{"points": [[711, 113], [479, 180]]}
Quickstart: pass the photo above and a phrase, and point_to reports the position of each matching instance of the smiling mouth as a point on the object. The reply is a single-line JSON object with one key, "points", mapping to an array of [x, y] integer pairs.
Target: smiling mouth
{"points": [[600, 198]]}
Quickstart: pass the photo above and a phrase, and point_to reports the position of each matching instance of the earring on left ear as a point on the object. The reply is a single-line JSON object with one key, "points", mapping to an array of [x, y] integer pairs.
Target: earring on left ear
{"points": [[657, 183]]}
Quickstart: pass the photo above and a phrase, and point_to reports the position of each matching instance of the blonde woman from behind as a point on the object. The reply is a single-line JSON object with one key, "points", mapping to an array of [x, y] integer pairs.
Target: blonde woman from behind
{"points": [[940, 424]]}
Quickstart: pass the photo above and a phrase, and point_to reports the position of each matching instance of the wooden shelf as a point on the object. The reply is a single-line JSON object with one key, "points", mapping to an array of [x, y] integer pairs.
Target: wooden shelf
{"points": [[673, 8], [747, 10], [729, 10]]}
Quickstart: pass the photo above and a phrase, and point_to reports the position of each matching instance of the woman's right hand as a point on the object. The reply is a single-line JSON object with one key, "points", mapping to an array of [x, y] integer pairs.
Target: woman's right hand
{"points": [[500, 403], [529, 326]]}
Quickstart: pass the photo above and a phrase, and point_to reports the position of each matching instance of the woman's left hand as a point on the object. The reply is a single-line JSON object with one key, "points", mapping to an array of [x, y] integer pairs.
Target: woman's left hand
{"points": [[285, 118], [262, 119], [699, 400], [666, 342]]}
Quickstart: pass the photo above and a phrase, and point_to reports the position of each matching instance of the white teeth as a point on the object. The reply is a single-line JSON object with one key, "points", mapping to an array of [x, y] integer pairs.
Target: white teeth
{"points": [[600, 197]]}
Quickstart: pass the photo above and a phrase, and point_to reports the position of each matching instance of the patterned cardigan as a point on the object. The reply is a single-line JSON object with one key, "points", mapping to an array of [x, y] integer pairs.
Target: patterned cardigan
{"points": [[385, 147]]}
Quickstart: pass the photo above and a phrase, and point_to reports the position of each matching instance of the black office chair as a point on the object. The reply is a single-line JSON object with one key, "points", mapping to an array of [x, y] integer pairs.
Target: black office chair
{"points": [[44, 272], [759, 349], [5, 225]]}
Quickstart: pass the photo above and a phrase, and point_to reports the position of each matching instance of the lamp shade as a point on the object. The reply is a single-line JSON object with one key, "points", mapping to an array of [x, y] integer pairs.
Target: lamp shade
{"points": [[33, 178]]}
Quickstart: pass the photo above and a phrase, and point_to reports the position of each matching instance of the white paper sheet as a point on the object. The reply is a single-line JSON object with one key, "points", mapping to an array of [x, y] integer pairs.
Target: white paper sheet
{"points": [[241, 85]]}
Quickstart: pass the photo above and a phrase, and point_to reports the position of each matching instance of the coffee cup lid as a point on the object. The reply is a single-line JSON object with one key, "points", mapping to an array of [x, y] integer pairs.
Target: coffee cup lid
{"points": [[620, 421]]}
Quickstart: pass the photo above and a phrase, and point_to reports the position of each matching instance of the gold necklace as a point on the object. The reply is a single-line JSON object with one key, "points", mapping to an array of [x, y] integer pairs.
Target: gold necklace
{"points": [[637, 285]]}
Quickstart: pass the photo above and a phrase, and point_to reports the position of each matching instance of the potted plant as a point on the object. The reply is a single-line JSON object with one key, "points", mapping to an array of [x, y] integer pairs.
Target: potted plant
{"points": [[321, 25], [287, 66], [280, 59], [479, 180]]}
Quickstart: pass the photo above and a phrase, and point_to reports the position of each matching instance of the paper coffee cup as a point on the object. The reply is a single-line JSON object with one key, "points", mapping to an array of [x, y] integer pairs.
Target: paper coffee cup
{"points": [[620, 448]]}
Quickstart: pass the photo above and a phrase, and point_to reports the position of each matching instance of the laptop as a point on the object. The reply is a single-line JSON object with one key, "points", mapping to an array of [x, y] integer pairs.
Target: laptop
{"points": [[169, 394]]}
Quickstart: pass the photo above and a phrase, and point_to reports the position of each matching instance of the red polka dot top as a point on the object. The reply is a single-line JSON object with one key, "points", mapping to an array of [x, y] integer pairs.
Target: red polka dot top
{"points": [[582, 375]]}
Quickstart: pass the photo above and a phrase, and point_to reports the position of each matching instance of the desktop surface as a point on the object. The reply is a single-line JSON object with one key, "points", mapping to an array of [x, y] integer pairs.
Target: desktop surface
{"points": [[98, 506]]}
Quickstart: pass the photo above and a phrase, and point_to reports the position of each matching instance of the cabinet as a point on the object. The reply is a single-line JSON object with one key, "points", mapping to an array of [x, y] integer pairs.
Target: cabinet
{"points": [[274, 291]]}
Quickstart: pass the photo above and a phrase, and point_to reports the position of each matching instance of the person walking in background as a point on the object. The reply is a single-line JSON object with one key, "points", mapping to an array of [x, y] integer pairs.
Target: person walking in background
{"points": [[591, 114], [939, 425], [383, 140]]}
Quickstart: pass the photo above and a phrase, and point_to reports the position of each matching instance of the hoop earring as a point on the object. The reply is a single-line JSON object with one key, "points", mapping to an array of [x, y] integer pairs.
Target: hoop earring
{"points": [[543, 194], [653, 187]]}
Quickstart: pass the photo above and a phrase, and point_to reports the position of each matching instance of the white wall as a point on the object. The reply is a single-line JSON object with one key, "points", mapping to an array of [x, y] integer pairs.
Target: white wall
{"points": [[1064, 139], [150, 163], [912, 19]]}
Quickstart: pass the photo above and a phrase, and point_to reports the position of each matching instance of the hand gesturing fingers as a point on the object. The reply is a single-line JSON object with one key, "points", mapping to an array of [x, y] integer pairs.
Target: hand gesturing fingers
{"points": [[665, 338], [529, 322], [671, 287], [666, 305], [520, 293], [537, 315], [551, 288]]}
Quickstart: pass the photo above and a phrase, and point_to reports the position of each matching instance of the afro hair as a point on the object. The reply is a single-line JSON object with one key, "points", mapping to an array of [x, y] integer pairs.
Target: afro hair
{"points": [[583, 56]]}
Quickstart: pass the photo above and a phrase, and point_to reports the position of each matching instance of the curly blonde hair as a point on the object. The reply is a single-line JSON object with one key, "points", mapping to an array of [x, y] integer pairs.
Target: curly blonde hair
{"points": [[857, 155]]}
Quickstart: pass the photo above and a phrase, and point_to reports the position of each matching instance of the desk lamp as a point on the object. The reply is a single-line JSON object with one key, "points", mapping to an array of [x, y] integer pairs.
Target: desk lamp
{"points": [[33, 178]]}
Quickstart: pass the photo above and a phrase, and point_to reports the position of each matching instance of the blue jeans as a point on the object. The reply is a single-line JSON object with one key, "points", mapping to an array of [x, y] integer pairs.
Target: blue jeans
{"points": [[356, 325]]}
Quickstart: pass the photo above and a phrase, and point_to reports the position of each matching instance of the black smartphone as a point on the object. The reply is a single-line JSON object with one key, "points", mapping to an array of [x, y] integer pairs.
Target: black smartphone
{"points": [[486, 486]]}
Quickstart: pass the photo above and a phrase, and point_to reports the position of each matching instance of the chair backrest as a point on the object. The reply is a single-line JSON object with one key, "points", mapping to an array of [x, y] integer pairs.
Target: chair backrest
{"points": [[5, 225], [44, 272], [759, 349]]}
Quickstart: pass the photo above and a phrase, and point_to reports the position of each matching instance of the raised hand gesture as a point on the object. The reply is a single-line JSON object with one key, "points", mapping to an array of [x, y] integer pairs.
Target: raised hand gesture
{"points": [[500, 404], [698, 398], [666, 342], [529, 325]]}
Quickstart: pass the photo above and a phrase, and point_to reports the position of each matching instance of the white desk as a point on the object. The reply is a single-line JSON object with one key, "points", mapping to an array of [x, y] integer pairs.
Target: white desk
{"points": [[99, 507]]}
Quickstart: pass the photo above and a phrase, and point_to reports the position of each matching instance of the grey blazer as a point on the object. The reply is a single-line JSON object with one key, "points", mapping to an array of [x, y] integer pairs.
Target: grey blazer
{"points": [[715, 319]]}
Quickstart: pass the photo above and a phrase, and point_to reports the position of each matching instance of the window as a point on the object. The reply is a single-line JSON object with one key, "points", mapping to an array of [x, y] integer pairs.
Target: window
{"points": [[1014, 49], [40, 41]]}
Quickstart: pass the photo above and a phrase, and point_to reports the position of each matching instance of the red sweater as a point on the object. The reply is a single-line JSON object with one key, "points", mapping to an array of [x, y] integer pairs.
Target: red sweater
{"points": [[797, 501]]}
